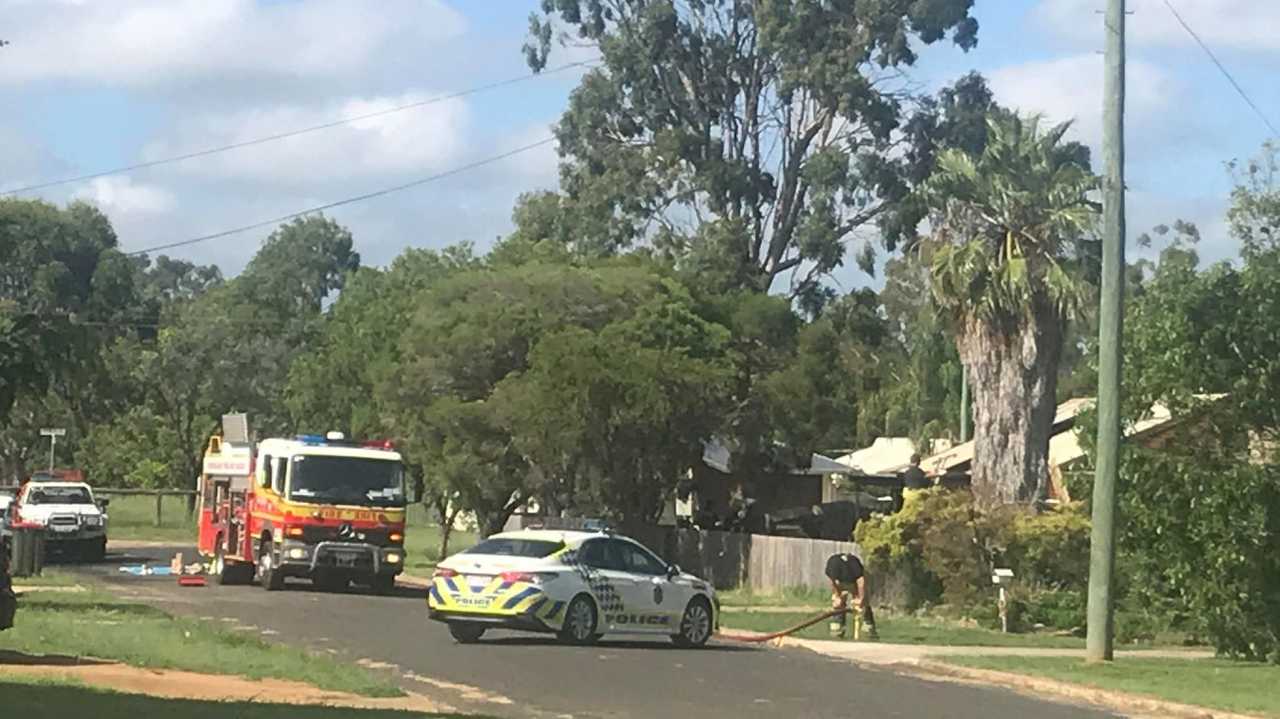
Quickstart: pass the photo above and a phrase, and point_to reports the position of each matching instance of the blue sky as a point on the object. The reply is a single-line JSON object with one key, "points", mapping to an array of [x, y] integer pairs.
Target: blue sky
{"points": [[89, 84]]}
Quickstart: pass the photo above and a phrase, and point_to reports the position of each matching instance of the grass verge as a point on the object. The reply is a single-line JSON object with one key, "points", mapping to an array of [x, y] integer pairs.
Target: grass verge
{"points": [[100, 625], [902, 630], [1213, 683], [133, 517], [789, 597], [38, 699]]}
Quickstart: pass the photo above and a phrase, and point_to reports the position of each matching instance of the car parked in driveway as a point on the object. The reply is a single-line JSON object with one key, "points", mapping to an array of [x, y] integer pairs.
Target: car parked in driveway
{"points": [[73, 521]]}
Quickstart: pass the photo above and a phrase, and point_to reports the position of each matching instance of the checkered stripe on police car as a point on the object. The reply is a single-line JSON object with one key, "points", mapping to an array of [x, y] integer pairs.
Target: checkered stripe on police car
{"points": [[601, 588]]}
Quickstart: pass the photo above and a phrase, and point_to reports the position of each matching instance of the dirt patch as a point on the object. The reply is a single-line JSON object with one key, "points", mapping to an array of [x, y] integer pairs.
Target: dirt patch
{"points": [[1132, 705], [169, 684]]}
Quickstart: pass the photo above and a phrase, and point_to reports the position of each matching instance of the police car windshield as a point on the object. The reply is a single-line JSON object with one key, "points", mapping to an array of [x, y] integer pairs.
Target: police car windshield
{"points": [[360, 481], [510, 547], [60, 495]]}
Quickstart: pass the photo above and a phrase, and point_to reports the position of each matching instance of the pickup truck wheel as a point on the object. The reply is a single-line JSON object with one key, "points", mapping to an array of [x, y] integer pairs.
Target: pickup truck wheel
{"points": [[96, 551], [268, 575]]}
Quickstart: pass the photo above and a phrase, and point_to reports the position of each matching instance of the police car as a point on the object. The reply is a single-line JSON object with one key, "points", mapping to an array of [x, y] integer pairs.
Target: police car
{"points": [[579, 585]]}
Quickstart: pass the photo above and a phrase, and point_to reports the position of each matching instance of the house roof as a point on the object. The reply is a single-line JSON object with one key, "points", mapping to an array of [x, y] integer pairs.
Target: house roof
{"points": [[1064, 444], [886, 455], [717, 455]]}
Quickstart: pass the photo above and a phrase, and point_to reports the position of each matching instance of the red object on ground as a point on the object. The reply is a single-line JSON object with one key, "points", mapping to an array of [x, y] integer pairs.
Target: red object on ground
{"points": [[191, 580]]}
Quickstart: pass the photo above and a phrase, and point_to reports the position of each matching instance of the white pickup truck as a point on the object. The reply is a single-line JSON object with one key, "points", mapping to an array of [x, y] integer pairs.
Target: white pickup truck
{"points": [[72, 520]]}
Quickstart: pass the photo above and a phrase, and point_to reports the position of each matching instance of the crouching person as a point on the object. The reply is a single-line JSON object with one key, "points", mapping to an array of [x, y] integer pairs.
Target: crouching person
{"points": [[849, 591]]}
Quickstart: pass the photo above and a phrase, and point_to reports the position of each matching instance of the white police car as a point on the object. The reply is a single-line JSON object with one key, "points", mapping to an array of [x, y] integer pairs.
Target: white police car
{"points": [[579, 585]]}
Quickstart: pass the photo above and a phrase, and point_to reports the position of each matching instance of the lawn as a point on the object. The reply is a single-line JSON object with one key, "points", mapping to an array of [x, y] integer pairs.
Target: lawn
{"points": [[901, 630], [815, 597], [101, 625], [1216, 683], [422, 541], [40, 699], [133, 518]]}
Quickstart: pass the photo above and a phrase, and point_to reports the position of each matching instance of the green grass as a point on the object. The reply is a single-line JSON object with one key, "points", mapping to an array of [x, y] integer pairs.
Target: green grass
{"points": [[133, 518], [1215, 683], [41, 699], [817, 598], [100, 625], [48, 578], [422, 541], [902, 630]]}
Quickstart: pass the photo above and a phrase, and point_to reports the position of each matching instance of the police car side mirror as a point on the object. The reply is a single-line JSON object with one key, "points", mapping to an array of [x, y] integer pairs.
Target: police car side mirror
{"points": [[673, 571], [103, 503]]}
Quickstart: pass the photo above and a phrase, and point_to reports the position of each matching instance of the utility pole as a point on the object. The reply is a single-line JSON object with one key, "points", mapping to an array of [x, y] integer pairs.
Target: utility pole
{"points": [[53, 435], [1102, 552]]}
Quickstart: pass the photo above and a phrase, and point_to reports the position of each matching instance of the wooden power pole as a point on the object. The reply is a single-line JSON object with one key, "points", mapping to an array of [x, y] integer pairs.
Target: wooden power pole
{"points": [[1099, 642]]}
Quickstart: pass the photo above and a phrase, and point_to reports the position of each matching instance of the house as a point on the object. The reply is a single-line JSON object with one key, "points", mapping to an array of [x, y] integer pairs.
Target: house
{"points": [[716, 481], [1065, 448]]}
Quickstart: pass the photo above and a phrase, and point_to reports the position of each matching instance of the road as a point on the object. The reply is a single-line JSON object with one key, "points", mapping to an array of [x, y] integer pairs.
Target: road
{"points": [[515, 675]]}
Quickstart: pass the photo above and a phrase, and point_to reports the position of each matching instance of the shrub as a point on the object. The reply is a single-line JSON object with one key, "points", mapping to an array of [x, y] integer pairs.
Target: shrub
{"points": [[941, 547]]}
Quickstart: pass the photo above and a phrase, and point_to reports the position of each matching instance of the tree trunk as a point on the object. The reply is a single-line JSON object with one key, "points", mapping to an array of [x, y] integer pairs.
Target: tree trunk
{"points": [[1013, 372]]}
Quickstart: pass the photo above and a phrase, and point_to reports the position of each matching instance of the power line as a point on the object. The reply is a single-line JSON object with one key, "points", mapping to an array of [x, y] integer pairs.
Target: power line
{"points": [[1226, 73], [292, 133], [347, 200]]}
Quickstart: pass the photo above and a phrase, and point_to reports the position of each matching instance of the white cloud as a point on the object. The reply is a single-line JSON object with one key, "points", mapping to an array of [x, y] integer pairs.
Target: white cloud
{"points": [[153, 42], [418, 140], [120, 195], [1223, 24], [1070, 88]]}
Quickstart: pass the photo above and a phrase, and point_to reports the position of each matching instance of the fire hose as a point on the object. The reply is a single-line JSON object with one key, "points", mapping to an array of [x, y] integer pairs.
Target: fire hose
{"points": [[805, 624]]}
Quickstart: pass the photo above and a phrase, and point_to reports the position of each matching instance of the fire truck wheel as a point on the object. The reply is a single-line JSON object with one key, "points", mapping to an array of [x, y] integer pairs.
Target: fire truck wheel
{"points": [[268, 576], [230, 572]]}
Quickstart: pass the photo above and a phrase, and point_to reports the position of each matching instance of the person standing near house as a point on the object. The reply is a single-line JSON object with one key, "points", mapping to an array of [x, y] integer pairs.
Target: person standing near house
{"points": [[913, 477], [849, 584]]}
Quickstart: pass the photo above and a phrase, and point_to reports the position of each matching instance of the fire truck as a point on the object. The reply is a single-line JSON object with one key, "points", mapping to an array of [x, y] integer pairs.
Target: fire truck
{"points": [[320, 507]]}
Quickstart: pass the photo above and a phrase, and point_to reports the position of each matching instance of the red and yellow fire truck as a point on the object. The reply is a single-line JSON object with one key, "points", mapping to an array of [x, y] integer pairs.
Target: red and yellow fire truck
{"points": [[320, 507]]}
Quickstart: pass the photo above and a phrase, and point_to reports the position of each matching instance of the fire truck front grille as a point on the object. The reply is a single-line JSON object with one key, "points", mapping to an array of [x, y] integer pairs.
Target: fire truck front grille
{"points": [[314, 535], [345, 557]]}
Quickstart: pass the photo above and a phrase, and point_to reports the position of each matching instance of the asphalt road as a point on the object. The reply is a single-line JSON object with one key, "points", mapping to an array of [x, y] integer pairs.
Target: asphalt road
{"points": [[517, 675]]}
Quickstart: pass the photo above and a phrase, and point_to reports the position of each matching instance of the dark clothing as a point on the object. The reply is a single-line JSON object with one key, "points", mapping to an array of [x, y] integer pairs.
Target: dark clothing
{"points": [[914, 478], [844, 568]]}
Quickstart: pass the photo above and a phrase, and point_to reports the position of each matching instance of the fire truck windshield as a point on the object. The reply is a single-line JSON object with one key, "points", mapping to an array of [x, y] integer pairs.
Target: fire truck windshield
{"points": [[360, 481]]}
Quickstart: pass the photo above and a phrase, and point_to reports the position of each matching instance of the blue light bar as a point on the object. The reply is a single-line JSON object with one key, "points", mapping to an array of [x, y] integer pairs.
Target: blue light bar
{"points": [[310, 438]]}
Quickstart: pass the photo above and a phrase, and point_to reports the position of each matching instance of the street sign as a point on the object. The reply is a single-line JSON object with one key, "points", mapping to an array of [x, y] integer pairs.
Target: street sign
{"points": [[53, 432]]}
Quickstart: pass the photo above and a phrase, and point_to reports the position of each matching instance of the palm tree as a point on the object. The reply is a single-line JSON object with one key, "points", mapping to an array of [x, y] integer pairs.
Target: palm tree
{"points": [[1005, 227]]}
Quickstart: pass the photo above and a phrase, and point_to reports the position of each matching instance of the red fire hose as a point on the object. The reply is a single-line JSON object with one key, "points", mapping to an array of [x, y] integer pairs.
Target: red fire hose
{"points": [[792, 630]]}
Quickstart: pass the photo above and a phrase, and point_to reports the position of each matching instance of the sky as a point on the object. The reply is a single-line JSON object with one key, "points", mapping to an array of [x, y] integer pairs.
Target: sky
{"points": [[92, 84]]}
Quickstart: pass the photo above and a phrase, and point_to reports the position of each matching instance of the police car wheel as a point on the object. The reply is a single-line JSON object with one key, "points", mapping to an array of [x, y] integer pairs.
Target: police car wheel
{"points": [[464, 633], [580, 621], [695, 625]]}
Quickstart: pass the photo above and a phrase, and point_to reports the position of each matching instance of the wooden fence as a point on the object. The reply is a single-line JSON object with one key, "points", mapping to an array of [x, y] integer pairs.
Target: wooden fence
{"points": [[159, 495], [728, 560]]}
